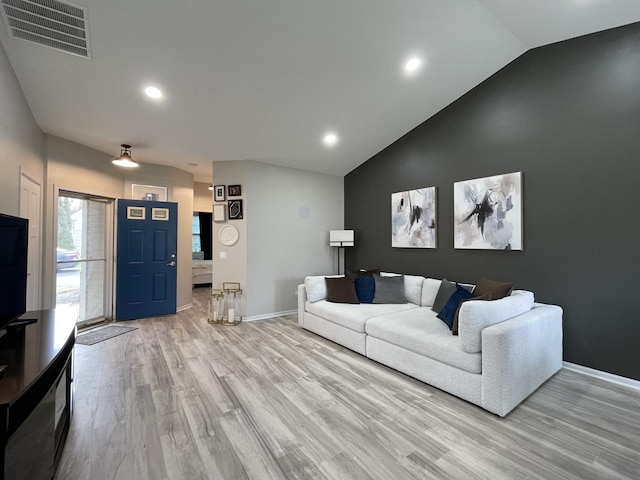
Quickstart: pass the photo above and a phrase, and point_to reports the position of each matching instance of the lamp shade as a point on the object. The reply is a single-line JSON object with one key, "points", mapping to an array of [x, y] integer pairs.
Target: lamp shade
{"points": [[125, 159], [341, 238]]}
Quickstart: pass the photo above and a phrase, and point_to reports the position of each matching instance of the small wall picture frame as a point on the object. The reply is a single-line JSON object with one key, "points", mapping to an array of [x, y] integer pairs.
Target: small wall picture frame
{"points": [[219, 212], [218, 193], [234, 190], [160, 214], [136, 213], [235, 210], [153, 193]]}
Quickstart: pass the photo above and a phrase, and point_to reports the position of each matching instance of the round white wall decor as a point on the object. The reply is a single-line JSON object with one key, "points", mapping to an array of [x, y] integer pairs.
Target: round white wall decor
{"points": [[228, 235]]}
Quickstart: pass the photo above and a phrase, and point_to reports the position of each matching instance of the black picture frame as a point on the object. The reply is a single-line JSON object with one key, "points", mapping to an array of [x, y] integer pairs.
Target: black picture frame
{"points": [[234, 210], [234, 190], [218, 193]]}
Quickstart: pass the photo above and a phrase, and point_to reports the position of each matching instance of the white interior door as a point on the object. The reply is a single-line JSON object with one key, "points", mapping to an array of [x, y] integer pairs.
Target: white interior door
{"points": [[31, 208]]}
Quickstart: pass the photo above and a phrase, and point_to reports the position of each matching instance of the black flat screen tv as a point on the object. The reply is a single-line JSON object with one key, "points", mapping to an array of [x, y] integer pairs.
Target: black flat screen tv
{"points": [[14, 232]]}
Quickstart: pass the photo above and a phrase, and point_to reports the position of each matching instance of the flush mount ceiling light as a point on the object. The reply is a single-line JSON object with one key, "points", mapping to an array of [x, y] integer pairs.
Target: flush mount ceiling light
{"points": [[412, 65], [153, 92], [330, 139], [125, 159], [210, 187]]}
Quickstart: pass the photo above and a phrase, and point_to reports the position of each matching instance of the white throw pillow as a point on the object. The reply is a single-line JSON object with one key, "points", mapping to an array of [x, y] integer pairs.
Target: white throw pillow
{"points": [[430, 289], [477, 315], [317, 287]]}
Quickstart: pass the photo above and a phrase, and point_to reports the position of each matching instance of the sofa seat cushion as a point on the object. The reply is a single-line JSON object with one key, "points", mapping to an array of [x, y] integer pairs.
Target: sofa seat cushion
{"points": [[354, 316], [420, 331]]}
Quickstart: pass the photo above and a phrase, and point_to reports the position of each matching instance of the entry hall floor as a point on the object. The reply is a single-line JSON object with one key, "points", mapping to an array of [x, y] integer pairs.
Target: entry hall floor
{"points": [[182, 399]]}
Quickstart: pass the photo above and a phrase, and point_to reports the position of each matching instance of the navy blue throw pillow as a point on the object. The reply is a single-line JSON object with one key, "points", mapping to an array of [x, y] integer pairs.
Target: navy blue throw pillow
{"points": [[365, 288], [448, 312]]}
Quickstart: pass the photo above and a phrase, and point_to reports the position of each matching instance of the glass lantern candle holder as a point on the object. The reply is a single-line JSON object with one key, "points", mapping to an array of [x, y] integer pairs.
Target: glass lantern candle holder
{"points": [[216, 306], [234, 303]]}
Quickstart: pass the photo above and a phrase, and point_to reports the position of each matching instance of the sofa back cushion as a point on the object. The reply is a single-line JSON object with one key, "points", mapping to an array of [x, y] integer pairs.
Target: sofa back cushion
{"points": [[476, 316], [430, 289], [413, 285]]}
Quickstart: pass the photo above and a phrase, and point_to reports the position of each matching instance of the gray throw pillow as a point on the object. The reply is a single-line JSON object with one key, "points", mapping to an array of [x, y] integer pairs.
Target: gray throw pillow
{"points": [[445, 291], [389, 289]]}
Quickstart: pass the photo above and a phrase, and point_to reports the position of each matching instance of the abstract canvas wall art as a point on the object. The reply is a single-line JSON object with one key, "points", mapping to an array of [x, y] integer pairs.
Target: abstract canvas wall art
{"points": [[488, 213], [413, 218]]}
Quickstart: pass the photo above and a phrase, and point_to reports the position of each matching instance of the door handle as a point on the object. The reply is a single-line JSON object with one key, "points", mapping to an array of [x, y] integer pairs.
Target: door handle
{"points": [[171, 264]]}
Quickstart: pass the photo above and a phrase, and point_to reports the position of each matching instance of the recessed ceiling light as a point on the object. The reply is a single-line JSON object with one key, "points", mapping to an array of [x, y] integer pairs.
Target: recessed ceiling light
{"points": [[153, 92], [412, 65], [330, 139]]}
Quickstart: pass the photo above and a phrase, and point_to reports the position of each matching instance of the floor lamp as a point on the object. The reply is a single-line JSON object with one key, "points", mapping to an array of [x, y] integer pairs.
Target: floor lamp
{"points": [[341, 239]]}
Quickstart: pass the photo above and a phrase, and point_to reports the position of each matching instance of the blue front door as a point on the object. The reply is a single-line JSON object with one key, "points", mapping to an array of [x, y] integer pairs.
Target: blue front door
{"points": [[146, 261]]}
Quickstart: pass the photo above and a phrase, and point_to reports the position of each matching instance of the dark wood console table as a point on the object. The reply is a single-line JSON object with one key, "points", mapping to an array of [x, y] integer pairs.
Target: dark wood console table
{"points": [[35, 392]]}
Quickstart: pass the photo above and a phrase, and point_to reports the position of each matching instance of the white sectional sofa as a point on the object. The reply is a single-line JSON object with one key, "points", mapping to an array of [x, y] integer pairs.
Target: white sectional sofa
{"points": [[504, 351]]}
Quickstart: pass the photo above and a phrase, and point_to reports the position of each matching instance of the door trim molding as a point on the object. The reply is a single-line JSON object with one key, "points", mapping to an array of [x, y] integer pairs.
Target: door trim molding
{"points": [[109, 285], [38, 282]]}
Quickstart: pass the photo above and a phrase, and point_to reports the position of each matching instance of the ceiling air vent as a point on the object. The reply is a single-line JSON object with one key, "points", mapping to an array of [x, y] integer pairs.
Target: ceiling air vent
{"points": [[53, 23]]}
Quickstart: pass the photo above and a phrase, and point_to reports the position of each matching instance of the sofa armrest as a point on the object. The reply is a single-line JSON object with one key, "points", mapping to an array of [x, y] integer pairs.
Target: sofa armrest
{"points": [[519, 355], [302, 299]]}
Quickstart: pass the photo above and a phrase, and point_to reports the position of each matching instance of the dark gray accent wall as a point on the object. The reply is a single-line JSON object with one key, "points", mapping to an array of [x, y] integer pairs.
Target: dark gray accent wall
{"points": [[568, 116]]}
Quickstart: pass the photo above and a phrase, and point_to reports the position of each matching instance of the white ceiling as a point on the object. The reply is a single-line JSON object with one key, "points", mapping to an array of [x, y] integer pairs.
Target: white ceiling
{"points": [[265, 79]]}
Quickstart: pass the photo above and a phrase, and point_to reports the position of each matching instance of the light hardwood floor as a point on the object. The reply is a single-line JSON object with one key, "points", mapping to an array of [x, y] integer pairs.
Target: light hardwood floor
{"points": [[181, 399]]}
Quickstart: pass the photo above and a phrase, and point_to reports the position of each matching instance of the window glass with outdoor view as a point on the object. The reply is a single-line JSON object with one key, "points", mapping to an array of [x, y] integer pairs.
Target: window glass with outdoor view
{"points": [[196, 244], [80, 253]]}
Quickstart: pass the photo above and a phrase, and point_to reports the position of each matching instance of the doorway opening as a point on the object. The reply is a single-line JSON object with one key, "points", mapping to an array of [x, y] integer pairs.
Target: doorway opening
{"points": [[84, 243]]}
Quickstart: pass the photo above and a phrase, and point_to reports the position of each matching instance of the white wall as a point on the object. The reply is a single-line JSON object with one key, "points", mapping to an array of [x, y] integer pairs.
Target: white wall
{"points": [[21, 140], [234, 267], [202, 197], [179, 186], [284, 235], [77, 168], [182, 194], [21, 151], [289, 213]]}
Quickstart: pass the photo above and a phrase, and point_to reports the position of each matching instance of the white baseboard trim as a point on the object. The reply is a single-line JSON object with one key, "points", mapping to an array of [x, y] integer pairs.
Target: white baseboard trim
{"points": [[609, 377], [184, 307], [269, 315]]}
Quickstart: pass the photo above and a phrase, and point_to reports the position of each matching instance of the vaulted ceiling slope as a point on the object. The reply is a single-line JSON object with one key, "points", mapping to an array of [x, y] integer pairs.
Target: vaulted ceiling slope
{"points": [[266, 79]]}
